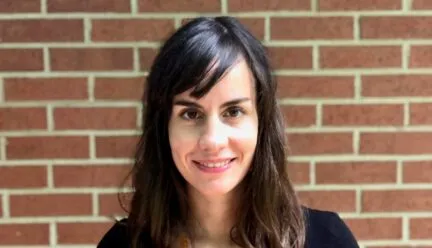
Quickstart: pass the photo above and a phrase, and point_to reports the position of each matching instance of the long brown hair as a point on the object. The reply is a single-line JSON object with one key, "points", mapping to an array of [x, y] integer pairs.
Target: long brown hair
{"points": [[270, 215]]}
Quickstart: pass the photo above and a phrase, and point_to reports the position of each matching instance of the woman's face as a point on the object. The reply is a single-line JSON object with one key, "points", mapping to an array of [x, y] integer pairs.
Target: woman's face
{"points": [[213, 138]]}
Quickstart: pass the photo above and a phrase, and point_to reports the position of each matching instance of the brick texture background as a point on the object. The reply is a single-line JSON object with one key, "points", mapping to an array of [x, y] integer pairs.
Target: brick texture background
{"points": [[355, 86]]}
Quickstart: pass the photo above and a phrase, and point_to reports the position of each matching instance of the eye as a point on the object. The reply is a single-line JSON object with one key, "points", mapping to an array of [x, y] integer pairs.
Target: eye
{"points": [[233, 112], [191, 114]]}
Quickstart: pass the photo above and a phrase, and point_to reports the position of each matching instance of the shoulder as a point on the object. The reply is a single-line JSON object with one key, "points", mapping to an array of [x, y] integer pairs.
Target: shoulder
{"points": [[117, 236], [323, 229], [327, 229]]}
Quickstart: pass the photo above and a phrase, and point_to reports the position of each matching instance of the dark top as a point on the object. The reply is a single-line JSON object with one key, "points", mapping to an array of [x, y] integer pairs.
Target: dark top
{"points": [[324, 230]]}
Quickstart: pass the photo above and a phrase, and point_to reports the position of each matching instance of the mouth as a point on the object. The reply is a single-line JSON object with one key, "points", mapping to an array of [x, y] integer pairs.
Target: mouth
{"points": [[220, 163]]}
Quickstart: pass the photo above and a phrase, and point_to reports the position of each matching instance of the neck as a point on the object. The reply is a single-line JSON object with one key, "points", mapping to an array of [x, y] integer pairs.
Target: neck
{"points": [[214, 216]]}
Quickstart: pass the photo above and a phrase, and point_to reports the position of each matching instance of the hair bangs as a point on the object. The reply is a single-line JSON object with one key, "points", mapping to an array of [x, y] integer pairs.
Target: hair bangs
{"points": [[207, 63], [223, 61]]}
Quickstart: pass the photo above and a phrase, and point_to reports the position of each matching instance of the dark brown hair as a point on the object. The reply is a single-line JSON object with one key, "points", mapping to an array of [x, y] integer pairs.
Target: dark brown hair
{"points": [[270, 213]]}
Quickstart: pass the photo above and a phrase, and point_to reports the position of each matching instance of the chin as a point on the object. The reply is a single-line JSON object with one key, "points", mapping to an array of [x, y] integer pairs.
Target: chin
{"points": [[216, 190]]}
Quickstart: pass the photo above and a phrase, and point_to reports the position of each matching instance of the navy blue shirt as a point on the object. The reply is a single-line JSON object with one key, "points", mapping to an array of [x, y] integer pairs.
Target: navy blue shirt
{"points": [[324, 229]]}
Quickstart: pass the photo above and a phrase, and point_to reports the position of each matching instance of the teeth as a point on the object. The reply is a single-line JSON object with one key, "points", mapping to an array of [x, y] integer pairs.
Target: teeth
{"points": [[215, 165]]}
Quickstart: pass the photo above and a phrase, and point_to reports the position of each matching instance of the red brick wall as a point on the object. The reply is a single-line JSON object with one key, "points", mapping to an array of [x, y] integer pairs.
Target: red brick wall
{"points": [[355, 83]]}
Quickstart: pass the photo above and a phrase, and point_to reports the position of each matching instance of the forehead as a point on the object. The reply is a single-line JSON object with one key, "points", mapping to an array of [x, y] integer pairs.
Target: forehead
{"points": [[238, 81]]}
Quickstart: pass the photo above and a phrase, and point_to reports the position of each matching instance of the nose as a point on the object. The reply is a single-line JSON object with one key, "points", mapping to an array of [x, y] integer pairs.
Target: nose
{"points": [[214, 136]]}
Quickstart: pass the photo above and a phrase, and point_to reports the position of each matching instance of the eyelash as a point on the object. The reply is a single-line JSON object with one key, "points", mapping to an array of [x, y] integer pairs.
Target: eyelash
{"points": [[183, 114]]}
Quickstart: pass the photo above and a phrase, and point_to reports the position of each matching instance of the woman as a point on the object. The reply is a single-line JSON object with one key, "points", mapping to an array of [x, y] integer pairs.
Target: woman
{"points": [[210, 167]]}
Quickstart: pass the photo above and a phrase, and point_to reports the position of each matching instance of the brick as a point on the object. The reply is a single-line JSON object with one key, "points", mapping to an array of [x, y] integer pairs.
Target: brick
{"points": [[51, 205], [24, 234], [48, 147], [114, 204], [290, 57], [257, 5], [95, 118], [315, 86], [420, 228], [119, 6], [363, 115], [119, 88], [421, 4], [39, 89], [179, 6], [320, 143], [307, 28], [90, 175], [376, 228], [147, 56], [411, 172], [299, 173], [39, 30], [116, 146], [420, 56], [419, 113], [82, 233], [23, 118], [91, 59], [397, 201], [396, 27], [397, 86], [334, 5], [15, 177], [20, 6], [299, 115], [361, 57], [131, 29], [255, 26], [394, 143], [29, 59], [337, 201], [355, 172]]}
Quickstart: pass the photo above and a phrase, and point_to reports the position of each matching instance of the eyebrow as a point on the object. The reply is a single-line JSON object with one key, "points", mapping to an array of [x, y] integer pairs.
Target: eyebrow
{"points": [[225, 104]]}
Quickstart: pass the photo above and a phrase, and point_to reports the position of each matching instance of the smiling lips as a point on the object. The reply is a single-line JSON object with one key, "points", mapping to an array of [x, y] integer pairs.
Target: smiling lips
{"points": [[214, 163]]}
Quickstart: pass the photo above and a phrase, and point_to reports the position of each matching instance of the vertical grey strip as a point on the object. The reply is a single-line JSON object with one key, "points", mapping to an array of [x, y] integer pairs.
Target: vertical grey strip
{"points": [[5, 205], [90, 88], [312, 172], [314, 5], [136, 59], [358, 199], [357, 87], [315, 58], [53, 234], [356, 28], [87, 30], [92, 146], [399, 172], [406, 5], [2, 91], [134, 6], [46, 59], [50, 175], [267, 29], [44, 6], [50, 117], [356, 142], [224, 6], [319, 109], [3, 144], [406, 50], [95, 199], [406, 116]]}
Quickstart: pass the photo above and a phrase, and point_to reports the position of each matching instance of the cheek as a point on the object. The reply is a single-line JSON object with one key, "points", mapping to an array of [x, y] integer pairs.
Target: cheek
{"points": [[245, 136], [181, 141]]}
